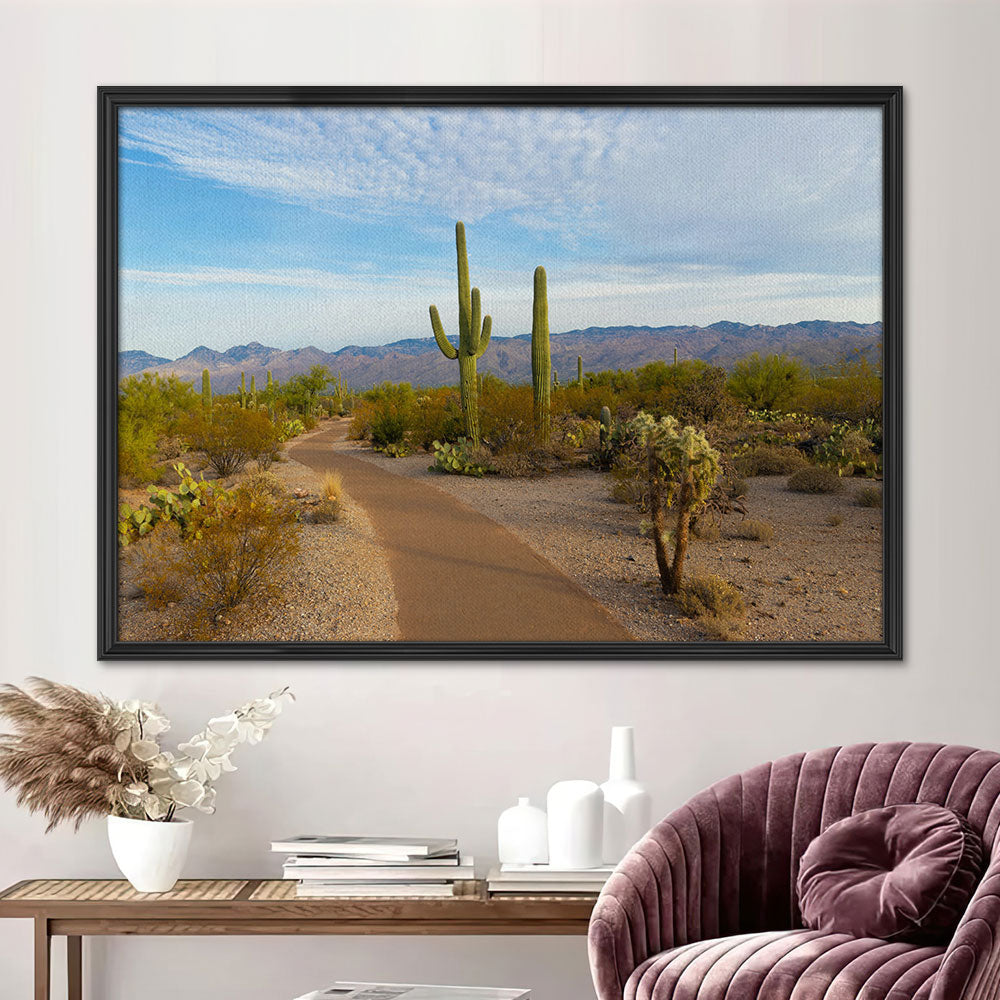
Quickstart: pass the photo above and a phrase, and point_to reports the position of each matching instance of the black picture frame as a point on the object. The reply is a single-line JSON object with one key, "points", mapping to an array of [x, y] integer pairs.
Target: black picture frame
{"points": [[888, 98]]}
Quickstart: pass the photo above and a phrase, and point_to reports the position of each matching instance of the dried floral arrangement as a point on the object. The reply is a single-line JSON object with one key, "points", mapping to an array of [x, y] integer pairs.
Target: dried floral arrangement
{"points": [[73, 755]]}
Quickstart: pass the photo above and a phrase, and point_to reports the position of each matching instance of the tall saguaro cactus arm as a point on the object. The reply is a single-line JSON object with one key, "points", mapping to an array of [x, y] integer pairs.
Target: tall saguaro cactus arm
{"points": [[439, 335], [473, 337]]}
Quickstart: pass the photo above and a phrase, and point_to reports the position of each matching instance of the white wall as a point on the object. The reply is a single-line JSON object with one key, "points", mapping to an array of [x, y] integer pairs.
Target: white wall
{"points": [[442, 748]]}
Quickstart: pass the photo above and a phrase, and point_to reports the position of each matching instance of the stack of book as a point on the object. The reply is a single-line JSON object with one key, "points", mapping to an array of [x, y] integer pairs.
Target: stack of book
{"points": [[546, 880], [333, 867]]}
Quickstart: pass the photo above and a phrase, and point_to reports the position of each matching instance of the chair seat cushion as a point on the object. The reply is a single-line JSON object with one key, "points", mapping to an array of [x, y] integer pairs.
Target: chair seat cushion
{"points": [[778, 965], [903, 872]]}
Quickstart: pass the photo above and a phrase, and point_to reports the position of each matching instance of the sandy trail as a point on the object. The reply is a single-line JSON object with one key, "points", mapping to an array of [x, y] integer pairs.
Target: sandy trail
{"points": [[458, 575]]}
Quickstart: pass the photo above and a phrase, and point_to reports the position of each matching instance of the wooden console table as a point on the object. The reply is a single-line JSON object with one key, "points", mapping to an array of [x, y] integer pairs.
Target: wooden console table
{"points": [[75, 909]]}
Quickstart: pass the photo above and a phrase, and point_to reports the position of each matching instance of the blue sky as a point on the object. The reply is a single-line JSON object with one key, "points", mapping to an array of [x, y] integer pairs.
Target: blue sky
{"points": [[335, 226]]}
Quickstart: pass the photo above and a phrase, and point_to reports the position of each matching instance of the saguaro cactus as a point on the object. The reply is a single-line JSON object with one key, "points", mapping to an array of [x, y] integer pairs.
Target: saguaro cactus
{"points": [[473, 337], [253, 391], [579, 370], [206, 390], [541, 359]]}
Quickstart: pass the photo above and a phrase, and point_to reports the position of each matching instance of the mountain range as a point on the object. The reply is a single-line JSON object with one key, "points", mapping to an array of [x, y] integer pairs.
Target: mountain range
{"points": [[420, 362]]}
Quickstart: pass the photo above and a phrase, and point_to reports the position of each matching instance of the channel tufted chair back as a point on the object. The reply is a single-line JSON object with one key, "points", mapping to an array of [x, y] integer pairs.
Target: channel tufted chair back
{"points": [[726, 863]]}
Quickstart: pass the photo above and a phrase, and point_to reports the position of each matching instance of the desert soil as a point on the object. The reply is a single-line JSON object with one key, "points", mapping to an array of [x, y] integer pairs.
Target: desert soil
{"points": [[813, 581], [339, 589]]}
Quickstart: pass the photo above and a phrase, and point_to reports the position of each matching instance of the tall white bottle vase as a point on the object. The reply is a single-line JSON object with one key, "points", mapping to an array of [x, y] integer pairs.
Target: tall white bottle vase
{"points": [[627, 804], [522, 835], [576, 824]]}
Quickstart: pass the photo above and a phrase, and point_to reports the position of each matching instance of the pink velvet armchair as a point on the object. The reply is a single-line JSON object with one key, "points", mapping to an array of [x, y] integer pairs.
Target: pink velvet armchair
{"points": [[705, 907]]}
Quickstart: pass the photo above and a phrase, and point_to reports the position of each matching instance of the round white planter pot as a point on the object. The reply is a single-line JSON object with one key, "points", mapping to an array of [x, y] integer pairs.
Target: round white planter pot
{"points": [[150, 855]]}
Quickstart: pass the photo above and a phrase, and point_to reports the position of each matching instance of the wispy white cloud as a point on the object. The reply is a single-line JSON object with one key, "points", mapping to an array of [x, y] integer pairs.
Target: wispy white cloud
{"points": [[716, 183]]}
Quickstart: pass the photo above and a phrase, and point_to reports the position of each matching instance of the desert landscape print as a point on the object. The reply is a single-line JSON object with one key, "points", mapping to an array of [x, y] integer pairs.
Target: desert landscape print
{"points": [[504, 373]]}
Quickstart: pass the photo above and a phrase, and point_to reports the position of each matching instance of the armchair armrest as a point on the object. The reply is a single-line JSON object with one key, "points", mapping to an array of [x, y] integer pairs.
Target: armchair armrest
{"points": [[971, 966], [659, 897]]}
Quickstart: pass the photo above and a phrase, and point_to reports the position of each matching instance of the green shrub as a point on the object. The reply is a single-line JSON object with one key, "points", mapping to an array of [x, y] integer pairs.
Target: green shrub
{"points": [[815, 480], [869, 496], [231, 436], [851, 390], [769, 460], [769, 383], [234, 549], [150, 408], [388, 427], [752, 530], [437, 416], [459, 459], [136, 451]]}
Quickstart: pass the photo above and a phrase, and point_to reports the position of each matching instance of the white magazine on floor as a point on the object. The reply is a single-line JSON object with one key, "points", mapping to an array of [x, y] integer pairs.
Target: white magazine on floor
{"points": [[398, 991]]}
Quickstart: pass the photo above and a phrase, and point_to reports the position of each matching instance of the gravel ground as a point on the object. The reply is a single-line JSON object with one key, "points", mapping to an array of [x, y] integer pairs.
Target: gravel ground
{"points": [[338, 589], [811, 582]]}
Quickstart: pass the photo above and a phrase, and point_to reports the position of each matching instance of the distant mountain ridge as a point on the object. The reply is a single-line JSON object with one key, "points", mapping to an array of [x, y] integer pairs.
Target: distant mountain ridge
{"points": [[418, 361]]}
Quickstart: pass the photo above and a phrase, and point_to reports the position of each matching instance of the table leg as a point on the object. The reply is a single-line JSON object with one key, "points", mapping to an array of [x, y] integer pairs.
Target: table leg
{"points": [[74, 967], [43, 958]]}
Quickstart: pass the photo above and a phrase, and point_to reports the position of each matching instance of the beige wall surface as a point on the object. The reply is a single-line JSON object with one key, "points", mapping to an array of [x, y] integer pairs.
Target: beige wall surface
{"points": [[442, 748]]}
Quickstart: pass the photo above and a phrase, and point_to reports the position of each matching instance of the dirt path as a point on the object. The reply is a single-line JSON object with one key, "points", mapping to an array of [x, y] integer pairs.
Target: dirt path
{"points": [[459, 576]]}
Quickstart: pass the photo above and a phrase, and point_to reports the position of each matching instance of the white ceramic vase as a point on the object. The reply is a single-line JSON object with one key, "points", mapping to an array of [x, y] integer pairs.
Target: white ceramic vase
{"points": [[522, 835], [576, 824], [627, 805], [149, 854]]}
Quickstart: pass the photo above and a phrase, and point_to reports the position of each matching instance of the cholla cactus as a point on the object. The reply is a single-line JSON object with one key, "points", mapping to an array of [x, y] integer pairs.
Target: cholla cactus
{"points": [[682, 468]]}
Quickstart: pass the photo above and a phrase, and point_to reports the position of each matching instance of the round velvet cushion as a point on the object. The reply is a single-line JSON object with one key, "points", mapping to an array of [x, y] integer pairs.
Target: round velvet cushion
{"points": [[903, 872]]}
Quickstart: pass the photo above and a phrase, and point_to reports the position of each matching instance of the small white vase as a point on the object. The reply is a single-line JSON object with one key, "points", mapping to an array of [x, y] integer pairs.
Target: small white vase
{"points": [[149, 854], [576, 824], [522, 835], [626, 803]]}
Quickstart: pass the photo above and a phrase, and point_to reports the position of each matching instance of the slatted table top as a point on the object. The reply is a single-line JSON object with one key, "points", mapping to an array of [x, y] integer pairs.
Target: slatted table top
{"points": [[271, 906]]}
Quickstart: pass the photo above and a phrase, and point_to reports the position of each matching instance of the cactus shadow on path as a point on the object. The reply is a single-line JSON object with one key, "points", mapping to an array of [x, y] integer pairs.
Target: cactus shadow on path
{"points": [[460, 577]]}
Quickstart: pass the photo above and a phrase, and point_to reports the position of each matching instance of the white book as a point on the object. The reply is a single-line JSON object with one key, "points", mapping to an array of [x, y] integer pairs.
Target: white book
{"points": [[545, 873], [336, 890], [388, 847], [382, 873], [396, 991], [331, 861], [543, 888]]}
